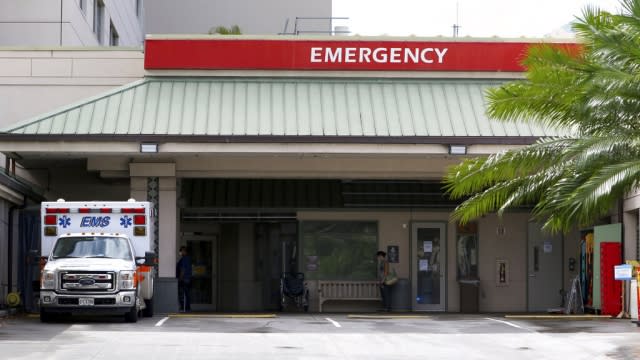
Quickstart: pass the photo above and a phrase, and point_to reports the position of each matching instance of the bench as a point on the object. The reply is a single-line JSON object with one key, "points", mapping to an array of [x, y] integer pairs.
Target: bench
{"points": [[347, 290]]}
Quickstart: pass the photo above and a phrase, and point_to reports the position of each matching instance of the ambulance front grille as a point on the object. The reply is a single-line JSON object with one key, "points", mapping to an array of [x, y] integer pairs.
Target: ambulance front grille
{"points": [[87, 281]]}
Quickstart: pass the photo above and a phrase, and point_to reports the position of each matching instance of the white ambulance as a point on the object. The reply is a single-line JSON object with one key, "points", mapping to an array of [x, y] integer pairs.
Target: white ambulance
{"points": [[98, 258]]}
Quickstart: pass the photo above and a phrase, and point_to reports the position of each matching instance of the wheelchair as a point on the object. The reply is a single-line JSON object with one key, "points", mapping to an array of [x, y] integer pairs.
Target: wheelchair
{"points": [[293, 290]]}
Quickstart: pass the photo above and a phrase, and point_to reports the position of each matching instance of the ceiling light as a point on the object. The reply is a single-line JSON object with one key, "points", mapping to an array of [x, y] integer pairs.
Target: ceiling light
{"points": [[458, 149], [148, 148]]}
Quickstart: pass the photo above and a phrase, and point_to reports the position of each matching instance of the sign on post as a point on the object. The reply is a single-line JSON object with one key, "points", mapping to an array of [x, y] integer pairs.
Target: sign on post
{"points": [[623, 272]]}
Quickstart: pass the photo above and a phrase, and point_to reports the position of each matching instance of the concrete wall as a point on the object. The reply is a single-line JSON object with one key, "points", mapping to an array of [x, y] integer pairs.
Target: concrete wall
{"points": [[64, 23], [252, 16], [631, 220], [34, 82], [511, 246], [394, 229], [571, 250]]}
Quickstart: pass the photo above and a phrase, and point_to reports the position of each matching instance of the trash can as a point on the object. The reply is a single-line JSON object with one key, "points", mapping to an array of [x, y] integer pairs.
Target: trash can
{"points": [[469, 295], [401, 296]]}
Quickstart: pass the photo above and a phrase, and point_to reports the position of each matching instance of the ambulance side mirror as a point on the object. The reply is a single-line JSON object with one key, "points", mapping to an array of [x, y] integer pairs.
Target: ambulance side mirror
{"points": [[150, 258]]}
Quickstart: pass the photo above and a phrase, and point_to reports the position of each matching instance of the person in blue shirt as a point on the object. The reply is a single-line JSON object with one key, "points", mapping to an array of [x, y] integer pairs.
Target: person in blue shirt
{"points": [[183, 273]]}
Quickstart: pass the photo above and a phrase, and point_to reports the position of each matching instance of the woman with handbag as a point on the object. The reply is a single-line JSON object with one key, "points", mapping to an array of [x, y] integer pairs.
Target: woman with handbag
{"points": [[386, 280]]}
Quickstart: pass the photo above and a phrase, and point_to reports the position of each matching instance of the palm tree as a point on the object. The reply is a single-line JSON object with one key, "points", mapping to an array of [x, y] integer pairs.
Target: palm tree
{"points": [[221, 30], [593, 95]]}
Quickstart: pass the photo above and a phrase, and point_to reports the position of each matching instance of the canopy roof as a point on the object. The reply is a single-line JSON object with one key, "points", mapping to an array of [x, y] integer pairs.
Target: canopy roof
{"points": [[284, 109]]}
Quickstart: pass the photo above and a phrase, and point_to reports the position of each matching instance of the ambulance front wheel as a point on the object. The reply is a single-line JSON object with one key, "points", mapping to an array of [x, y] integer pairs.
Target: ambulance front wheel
{"points": [[45, 316], [148, 308], [132, 315]]}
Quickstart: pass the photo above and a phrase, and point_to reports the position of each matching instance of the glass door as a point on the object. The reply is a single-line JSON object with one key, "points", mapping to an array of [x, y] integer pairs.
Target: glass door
{"points": [[429, 245]]}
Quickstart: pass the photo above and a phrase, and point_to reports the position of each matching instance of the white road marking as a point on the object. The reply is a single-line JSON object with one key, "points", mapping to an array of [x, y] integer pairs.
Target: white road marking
{"points": [[335, 323], [159, 323], [507, 323]]}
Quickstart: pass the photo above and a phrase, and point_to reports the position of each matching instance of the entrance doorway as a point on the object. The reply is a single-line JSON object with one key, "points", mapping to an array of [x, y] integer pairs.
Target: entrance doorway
{"points": [[428, 266], [237, 265], [203, 250], [544, 269]]}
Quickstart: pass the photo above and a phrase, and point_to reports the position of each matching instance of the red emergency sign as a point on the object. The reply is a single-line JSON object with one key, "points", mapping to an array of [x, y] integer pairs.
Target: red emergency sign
{"points": [[292, 54]]}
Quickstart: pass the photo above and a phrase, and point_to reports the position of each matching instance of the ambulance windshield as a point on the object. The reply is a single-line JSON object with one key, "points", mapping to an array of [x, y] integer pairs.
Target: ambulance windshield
{"points": [[92, 247]]}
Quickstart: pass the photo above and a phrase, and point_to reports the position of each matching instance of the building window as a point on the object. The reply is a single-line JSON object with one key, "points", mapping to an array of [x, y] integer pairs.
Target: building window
{"points": [[83, 5], [98, 19], [114, 39], [339, 250], [138, 8]]}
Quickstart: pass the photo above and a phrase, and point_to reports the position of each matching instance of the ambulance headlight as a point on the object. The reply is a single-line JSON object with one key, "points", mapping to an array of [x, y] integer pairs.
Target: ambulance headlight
{"points": [[127, 280], [48, 280]]}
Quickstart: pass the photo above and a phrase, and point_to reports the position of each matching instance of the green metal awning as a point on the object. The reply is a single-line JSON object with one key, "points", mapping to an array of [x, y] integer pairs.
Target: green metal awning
{"points": [[284, 108]]}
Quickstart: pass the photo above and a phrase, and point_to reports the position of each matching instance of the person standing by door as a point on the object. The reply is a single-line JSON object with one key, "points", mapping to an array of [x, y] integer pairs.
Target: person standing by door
{"points": [[383, 272], [184, 273]]}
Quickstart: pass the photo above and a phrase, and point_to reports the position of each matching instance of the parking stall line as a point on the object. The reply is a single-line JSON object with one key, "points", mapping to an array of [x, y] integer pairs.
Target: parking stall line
{"points": [[508, 323], [335, 323], [159, 323]]}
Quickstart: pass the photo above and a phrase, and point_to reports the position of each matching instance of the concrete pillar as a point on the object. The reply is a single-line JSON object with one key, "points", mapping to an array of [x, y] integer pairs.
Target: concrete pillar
{"points": [[138, 188], [631, 207], [630, 235], [168, 227], [166, 285]]}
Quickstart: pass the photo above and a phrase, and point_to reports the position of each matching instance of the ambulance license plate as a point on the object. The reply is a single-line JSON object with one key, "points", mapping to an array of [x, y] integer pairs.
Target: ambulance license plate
{"points": [[85, 301]]}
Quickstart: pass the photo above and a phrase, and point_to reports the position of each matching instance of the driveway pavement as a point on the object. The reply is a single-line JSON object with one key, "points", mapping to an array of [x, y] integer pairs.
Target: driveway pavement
{"points": [[319, 336]]}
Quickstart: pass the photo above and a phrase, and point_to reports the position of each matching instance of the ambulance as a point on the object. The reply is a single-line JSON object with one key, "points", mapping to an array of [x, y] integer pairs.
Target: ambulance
{"points": [[97, 259]]}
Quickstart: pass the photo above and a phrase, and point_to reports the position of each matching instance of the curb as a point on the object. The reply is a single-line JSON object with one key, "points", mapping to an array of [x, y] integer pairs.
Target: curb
{"points": [[558, 317]]}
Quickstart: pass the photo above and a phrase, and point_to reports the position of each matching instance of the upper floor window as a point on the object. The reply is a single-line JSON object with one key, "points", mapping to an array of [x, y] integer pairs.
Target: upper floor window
{"points": [[138, 8], [114, 39], [98, 19], [83, 5]]}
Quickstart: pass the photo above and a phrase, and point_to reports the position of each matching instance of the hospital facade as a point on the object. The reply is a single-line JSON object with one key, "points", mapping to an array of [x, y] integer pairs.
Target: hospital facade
{"points": [[275, 154]]}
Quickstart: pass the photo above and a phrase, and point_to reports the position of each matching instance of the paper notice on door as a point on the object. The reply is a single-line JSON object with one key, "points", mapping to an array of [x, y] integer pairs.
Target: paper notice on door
{"points": [[428, 246], [424, 264], [548, 247]]}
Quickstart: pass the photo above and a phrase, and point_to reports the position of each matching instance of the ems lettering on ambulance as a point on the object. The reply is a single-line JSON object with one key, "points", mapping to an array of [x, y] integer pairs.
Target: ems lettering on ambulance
{"points": [[95, 221], [381, 55]]}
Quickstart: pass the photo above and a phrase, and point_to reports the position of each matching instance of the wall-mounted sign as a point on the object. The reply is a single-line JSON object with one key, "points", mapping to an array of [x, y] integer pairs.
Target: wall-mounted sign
{"points": [[623, 272], [393, 254], [423, 265], [502, 272], [304, 54]]}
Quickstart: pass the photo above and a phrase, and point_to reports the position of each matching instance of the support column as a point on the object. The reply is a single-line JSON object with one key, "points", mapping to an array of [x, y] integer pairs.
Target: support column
{"points": [[630, 235], [138, 188], [168, 227], [157, 182]]}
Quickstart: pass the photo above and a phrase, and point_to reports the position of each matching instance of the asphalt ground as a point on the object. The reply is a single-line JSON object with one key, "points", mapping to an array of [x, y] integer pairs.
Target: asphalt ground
{"points": [[319, 336]]}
